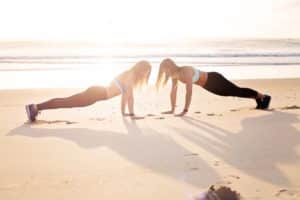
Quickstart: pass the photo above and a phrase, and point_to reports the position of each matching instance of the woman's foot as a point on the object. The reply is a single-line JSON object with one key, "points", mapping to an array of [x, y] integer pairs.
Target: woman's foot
{"points": [[258, 103], [264, 102], [32, 112]]}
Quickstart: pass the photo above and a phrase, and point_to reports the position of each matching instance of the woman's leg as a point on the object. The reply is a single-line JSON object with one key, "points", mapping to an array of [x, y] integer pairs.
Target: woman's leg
{"points": [[218, 84], [86, 98]]}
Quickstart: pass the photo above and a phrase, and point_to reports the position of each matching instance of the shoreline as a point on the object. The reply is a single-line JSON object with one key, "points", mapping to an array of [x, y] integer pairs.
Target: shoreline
{"points": [[151, 85]]}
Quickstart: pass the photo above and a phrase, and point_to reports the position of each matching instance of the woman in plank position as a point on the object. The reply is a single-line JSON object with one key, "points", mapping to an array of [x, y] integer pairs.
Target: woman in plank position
{"points": [[212, 81], [123, 84]]}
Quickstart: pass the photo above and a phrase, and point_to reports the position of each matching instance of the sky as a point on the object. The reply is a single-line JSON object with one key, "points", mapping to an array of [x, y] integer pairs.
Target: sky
{"points": [[147, 21]]}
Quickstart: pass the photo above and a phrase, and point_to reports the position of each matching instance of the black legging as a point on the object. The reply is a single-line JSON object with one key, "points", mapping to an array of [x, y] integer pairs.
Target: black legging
{"points": [[218, 84], [85, 98]]}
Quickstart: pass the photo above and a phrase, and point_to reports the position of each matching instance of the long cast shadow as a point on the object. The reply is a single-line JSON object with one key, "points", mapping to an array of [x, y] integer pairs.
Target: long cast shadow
{"points": [[262, 144], [145, 147]]}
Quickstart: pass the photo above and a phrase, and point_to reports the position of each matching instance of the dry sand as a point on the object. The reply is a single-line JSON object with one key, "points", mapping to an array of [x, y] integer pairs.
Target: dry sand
{"points": [[95, 153]]}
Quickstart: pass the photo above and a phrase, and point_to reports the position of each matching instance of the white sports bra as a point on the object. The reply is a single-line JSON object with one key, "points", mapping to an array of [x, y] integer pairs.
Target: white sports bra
{"points": [[196, 75]]}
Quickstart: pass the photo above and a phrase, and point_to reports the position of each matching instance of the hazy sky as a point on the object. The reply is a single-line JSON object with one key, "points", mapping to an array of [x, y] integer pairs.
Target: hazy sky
{"points": [[152, 20]]}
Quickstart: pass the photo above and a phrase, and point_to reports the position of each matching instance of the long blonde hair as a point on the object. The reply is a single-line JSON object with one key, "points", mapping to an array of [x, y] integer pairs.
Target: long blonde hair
{"points": [[163, 77], [140, 78]]}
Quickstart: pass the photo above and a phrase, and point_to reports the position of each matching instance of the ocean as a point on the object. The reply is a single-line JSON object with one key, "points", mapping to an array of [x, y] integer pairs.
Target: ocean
{"points": [[44, 64]]}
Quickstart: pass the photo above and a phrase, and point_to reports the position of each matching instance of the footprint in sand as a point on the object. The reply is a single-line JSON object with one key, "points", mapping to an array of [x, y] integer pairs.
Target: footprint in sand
{"points": [[286, 192], [230, 178], [69, 122], [234, 110], [216, 163], [191, 161], [151, 115], [234, 176], [9, 187], [67, 181], [210, 114], [54, 122], [223, 182], [97, 119], [227, 180], [191, 154], [213, 114], [293, 107], [160, 118], [197, 112]]}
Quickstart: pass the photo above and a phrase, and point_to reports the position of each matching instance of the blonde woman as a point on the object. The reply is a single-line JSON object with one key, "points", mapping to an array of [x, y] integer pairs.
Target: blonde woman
{"points": [[211, 81], [123, 84]]}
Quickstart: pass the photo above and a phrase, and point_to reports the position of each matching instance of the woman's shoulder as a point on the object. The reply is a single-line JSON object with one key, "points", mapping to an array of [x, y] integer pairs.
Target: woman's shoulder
{"points": [[187, 70], [123, 75], [126, 78]]}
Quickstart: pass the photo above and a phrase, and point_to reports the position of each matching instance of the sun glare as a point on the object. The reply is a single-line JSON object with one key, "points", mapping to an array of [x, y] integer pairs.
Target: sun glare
{"points": [[142, 21]]}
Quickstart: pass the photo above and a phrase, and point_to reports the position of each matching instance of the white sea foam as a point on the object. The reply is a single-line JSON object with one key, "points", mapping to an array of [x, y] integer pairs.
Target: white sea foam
{"points": [[82, 65]]}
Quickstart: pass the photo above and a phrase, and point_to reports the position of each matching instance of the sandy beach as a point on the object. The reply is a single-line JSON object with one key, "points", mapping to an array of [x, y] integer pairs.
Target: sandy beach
{"points": [[95, 153]]}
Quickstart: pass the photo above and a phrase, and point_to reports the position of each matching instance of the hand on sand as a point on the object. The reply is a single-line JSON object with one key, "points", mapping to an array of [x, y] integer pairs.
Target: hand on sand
{"points": [[127, 115], [168, 112], [132, 116], [137, 117], [181, 114]]}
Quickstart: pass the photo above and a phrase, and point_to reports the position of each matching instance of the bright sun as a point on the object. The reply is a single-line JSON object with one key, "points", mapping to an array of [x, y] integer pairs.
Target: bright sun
{"points": [[145, 21]]}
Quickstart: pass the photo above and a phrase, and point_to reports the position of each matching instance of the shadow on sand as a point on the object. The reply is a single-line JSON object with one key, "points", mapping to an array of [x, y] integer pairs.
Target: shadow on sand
{"points": [[145, 147], [262, 144]]}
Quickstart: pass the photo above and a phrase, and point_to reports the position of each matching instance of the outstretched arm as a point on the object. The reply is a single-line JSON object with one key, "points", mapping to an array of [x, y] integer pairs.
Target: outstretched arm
{"points": [[124, 101], [127, 100], [188, 97], [173, 96], [130, 101]]}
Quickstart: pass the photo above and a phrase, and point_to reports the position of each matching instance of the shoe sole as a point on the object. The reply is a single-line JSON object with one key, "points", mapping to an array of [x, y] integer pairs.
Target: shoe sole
{"points": [[28, 113]]}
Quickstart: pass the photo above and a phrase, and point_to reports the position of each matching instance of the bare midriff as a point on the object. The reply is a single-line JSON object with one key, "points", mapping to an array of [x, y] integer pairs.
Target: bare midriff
{"points": [[202, 79]]}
